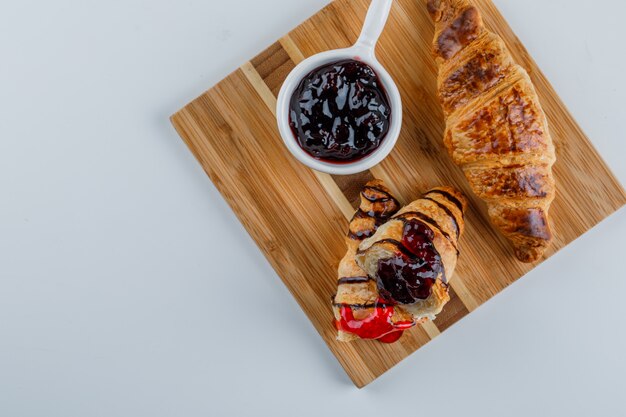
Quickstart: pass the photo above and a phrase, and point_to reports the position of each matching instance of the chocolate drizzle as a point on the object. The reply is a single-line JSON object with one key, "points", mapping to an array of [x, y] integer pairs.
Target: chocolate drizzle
{"points": [[450, 198], [390, 206], [388, 197], [457, 230], [360, 214], [354, 280], [367, 232], [360, 235]]}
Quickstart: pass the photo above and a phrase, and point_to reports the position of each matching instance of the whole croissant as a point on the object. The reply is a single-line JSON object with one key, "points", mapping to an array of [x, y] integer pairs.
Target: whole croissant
{"points": [[496, 130]]}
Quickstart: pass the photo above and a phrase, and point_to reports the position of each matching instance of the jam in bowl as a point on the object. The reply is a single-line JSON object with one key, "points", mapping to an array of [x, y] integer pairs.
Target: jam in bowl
{"points": [[340, 112]]}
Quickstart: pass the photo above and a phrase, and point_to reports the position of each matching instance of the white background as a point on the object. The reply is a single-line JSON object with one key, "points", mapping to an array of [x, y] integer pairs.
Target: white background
{"points": [[128, 287]]}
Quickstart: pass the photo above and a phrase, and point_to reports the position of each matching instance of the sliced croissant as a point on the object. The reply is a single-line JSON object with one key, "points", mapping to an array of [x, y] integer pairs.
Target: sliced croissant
{"points": [[496, 130], [414, 254], [355, 289]]}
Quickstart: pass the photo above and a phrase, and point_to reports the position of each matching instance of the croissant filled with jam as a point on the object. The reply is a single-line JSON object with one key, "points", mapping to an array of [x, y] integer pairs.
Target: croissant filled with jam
{"points": [[396, 270]]}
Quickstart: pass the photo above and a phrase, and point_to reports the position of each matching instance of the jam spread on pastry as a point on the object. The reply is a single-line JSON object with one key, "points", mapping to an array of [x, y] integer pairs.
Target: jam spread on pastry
{"points": [[410, 276], [340, 112], [496, 130]]}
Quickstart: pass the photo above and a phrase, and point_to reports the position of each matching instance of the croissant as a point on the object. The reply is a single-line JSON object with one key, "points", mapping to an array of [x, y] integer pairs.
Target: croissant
{"points": [[496, 130], [414, 254], [356, 306]]}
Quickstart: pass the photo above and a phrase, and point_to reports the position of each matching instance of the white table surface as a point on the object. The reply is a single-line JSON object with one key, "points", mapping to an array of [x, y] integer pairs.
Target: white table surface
{"points": [[123, 272]]}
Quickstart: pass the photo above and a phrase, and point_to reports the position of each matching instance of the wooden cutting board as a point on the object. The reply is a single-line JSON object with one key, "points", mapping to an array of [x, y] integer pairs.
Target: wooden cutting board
{"points": [[298, 217]]}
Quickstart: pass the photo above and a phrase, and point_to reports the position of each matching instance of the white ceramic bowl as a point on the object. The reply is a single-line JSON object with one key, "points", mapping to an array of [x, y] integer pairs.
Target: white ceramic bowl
{"points": [[363, 50]]}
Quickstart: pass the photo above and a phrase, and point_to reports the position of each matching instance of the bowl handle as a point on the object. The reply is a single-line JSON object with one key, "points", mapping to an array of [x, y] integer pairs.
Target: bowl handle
{"points": [[374, 24]]}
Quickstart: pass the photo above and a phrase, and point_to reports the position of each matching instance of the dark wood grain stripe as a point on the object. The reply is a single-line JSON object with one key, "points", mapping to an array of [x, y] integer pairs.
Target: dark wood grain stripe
{"points": [[454, 311], [273, 65], [351, 185]]}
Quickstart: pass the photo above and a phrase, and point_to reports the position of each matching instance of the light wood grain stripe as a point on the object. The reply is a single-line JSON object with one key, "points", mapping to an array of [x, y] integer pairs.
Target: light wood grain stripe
{"points": [[431, 329], [464, 294], [259, 85], [292, 50]]}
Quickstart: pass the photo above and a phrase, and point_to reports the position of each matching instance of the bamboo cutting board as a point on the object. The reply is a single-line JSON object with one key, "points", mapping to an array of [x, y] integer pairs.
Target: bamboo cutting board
{"points": [[299, 217]]}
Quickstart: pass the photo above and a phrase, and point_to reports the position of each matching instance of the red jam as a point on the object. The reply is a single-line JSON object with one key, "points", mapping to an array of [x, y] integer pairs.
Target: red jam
{"points": [[340, 112], [409, 276], [377, 325]]}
